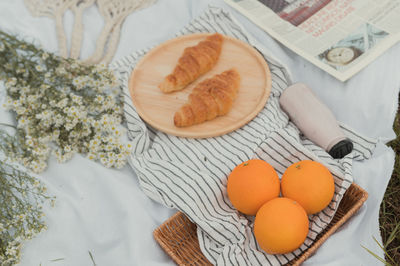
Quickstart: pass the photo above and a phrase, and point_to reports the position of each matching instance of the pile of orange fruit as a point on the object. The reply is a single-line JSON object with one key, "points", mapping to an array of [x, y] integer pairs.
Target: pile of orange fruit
{"points": [[281, 206]]}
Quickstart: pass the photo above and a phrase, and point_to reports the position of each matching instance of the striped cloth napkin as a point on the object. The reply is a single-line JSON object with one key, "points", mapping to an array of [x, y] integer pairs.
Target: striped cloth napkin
{"points": [[191, 174]]}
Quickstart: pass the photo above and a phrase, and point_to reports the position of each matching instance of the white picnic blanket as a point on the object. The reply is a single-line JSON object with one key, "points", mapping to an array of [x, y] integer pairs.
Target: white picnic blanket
{"points": [[104, 211], [191, 174]]}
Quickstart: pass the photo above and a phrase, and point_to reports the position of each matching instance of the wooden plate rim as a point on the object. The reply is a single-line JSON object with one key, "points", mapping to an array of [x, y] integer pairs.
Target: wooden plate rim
{"points": [[179, 133]]}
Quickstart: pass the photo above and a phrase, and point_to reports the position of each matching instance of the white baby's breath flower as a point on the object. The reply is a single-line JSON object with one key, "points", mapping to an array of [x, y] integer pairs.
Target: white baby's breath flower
{"points": [[56, 134], [129, 146], [62, 158], [28, 234], [58, 120], [120, 156], [44, 87], [76, 99], [20, 110], [113, 79], [79, 82], [16, 103], [99, 67], [20, 70], [119, 132], [35, 105], [60, 70], [8, 104], [13, 89], [111, 155], [45, 138], [67, 148], [116, 118], [62, 103], [45, 56], [86, 130], [25, 89], [99, 99], [71, 110], [121, 162], [66, 90], [96, 83], [22, 122], [37, 166], [102, 147], [11, 251], [76, 133], [109, 147], [44, 115], [68, 126], [39, 68], [110, 140], [92, 156], [42, 166], [32, 99], [104, 160], [105, 120], [8, 66], [36, 183], [11, 82], [89, 81], [30, 142], [96, 124], [110, 163], [95, 142]]}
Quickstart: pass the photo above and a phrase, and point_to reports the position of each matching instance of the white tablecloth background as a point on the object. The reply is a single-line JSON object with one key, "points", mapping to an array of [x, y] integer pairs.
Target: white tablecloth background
{"points": [[104, 211]]}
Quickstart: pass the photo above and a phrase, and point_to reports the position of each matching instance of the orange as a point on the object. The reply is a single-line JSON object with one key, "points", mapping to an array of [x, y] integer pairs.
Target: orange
{"points": [[281, 226], [310, 184], [251, 184]]}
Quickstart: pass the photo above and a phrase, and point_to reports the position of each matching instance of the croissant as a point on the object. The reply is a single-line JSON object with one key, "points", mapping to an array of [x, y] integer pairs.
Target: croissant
{"points": [[195, 61], [210, 98]]}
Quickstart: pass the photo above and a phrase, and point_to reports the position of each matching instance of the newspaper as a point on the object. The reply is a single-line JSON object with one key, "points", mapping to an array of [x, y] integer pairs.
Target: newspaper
{"points": [[339, 36]]}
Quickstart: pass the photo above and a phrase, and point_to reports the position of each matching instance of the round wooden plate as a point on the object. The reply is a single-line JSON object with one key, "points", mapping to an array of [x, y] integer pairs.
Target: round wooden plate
{"points": [[158, 108]]}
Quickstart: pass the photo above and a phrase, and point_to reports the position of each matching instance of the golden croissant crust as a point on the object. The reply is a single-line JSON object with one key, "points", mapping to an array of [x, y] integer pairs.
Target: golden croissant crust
{"points": [[210, 98], [195, 61]]}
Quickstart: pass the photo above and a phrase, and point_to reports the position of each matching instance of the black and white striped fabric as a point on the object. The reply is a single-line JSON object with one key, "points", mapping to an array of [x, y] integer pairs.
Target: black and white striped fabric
{"points": [[191, 174]]}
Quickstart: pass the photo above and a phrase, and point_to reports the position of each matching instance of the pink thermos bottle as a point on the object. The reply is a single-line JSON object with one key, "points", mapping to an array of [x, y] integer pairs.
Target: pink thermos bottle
{"points": [[315, 120]]}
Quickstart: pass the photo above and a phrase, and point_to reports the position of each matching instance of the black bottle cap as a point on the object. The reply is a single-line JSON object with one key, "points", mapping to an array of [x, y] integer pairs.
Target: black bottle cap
{"points": [[341, 149]]}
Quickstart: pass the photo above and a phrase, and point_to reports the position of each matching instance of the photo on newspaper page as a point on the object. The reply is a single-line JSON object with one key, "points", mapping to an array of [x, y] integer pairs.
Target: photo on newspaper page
{"points": [[339, 36]]}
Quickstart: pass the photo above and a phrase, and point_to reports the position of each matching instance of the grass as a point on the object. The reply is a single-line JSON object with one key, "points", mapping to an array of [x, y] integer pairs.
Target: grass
{"points": [[386, 263], [389, 214], [91, 257]]}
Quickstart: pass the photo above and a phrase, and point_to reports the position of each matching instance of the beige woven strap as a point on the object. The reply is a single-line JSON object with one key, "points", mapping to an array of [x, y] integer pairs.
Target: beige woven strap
{"points": [[54, 9], [77, 32], [112, 43], [114, 13], [114, 37]]}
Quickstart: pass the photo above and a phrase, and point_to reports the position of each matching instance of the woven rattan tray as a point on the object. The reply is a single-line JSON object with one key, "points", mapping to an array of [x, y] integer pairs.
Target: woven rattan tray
{"points": [[178, 237]]}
